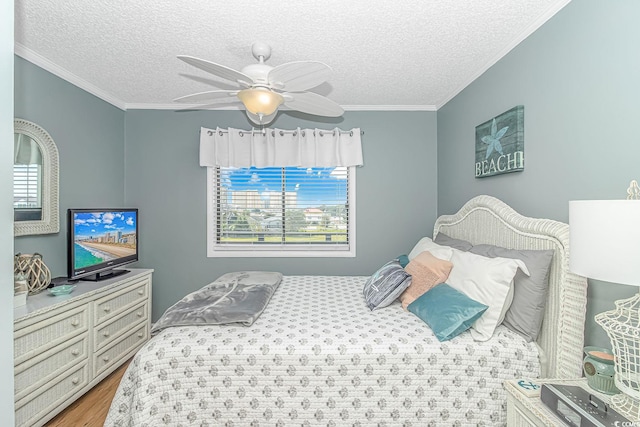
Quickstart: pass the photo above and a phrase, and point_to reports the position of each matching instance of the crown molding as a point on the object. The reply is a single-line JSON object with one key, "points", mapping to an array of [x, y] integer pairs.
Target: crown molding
{"points": [[42, 62], [178, 107], [389, 107], [142, 106]]}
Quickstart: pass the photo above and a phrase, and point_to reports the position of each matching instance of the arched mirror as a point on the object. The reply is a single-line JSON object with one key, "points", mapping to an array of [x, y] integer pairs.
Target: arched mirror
{"points": [[35, 180]]}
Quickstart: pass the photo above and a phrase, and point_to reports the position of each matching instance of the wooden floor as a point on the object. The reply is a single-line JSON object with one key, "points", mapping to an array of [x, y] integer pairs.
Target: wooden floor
{"points": [[91, 409]]}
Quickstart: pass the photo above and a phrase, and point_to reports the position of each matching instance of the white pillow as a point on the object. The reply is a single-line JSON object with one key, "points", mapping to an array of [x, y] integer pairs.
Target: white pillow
{"points": [[488, 281], [426, 244]]}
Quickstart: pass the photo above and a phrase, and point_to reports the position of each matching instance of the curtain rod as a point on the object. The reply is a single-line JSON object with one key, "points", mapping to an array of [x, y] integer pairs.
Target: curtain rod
{"points": [[282, 132]]}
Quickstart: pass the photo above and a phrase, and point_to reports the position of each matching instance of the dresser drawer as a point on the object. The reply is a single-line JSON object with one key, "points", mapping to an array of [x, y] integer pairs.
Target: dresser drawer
{"points": [[115, 328], [103, 360], [112, 305], [48, 332], [37, 372], [36, 406]]}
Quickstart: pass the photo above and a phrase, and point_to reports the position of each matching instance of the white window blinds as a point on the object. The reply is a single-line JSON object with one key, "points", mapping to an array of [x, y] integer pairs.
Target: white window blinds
{"points": [[26, 186], [284, 207]]}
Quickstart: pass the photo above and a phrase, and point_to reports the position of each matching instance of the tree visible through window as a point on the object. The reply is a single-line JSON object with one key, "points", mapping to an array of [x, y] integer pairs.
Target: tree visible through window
{"points": [[286, 209]]}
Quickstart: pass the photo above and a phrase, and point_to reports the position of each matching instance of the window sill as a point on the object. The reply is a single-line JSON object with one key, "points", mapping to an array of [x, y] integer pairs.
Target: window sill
{"points": [[276, 253]]}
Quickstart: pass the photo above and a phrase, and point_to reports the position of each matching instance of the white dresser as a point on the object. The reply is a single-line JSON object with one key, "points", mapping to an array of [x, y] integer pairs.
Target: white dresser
{"points": [[64, 345]]}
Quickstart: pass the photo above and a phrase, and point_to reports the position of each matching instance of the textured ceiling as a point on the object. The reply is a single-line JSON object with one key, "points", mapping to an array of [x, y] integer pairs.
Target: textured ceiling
{"points": [[410, 54]]}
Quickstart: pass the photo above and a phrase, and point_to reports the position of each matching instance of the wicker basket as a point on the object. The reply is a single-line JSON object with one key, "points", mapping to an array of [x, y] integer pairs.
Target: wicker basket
{"points": [[34, 268]]}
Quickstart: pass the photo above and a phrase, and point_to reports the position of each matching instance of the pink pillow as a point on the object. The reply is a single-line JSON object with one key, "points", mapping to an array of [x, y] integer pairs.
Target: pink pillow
{"points": [[426, 272]]}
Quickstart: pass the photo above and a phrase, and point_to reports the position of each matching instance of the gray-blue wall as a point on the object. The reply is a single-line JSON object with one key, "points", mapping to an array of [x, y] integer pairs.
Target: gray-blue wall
{"points": [[395, 195], [89, 134], [578, 78]]}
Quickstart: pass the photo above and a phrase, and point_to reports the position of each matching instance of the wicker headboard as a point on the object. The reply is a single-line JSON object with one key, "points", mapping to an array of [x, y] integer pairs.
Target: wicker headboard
{"points": [[485, 219]]}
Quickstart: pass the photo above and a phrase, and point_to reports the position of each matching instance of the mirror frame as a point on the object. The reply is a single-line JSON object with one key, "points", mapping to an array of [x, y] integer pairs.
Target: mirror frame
{"points": [[50, 222]]}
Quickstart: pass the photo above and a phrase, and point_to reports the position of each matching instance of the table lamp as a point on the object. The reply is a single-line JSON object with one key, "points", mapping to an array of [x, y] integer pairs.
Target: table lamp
{"points": [[605, 245]]}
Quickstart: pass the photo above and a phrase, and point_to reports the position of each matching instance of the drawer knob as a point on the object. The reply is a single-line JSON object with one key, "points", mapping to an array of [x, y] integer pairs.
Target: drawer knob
{"points": [[75, 380], [107, 309], [75, 352], [139, 314], [140, 334], [105, 359], [75, 322], [106, 334], [140, 291]]}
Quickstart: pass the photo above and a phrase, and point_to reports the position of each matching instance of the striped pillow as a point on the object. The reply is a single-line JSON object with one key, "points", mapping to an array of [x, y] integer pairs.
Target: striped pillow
{"points": [[385, 285]]}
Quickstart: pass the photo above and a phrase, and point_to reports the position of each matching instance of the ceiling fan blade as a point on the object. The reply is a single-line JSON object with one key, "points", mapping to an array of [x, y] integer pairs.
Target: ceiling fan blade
{"points": [[299, 75], [211, 95], [211, 81], [218, 70], [312, 103], [200, 107]]}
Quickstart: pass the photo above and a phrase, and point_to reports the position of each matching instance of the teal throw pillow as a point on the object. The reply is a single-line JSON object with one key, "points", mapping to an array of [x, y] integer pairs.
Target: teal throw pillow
{"points": [[403, 260], [447, 311]]}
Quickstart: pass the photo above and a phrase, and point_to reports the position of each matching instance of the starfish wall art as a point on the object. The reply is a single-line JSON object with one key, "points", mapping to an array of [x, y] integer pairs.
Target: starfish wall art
{"points": [[500, 144]]}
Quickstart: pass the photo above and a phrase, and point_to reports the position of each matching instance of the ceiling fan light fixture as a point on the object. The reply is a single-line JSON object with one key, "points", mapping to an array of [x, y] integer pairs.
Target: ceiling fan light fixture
{"points": [[263, 88], [260, 100]]}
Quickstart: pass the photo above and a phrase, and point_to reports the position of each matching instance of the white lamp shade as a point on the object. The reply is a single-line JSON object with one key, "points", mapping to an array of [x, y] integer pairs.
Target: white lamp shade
{"points": [[260, 101], [605, 240]]}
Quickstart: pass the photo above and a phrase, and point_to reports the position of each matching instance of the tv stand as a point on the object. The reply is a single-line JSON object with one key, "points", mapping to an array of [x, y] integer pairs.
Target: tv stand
{"points": [[109, 274]]}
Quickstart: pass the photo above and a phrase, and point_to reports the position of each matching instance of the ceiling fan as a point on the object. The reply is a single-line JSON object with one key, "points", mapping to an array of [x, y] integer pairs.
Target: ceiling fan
{"points": [[262, 88]]}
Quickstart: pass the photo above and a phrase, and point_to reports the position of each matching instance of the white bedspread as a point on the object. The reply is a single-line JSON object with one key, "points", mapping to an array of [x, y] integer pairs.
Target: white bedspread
{"points": [[318, 356]]}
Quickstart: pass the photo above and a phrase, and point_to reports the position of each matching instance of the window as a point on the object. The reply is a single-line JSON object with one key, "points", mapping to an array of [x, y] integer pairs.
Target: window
{"points": [[274, 211], [27, 182]]}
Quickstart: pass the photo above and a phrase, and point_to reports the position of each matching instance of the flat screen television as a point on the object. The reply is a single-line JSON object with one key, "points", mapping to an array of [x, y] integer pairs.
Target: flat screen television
{"points": [[99, 241]]}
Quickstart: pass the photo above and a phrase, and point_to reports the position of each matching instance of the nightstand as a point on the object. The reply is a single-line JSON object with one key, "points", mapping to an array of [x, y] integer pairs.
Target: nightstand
{"points": [[524, 411]]}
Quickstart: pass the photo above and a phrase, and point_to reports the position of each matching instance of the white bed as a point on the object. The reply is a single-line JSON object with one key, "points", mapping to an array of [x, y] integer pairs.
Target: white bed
{"points": [[318, 356]]}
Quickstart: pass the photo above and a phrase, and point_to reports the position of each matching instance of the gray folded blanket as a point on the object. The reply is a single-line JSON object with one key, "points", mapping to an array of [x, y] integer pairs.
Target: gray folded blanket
{"points": [[238, 297]]}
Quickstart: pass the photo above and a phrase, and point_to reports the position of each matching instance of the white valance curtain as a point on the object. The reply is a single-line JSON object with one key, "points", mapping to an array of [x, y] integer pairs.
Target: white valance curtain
{"points": [[280, 148]]}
